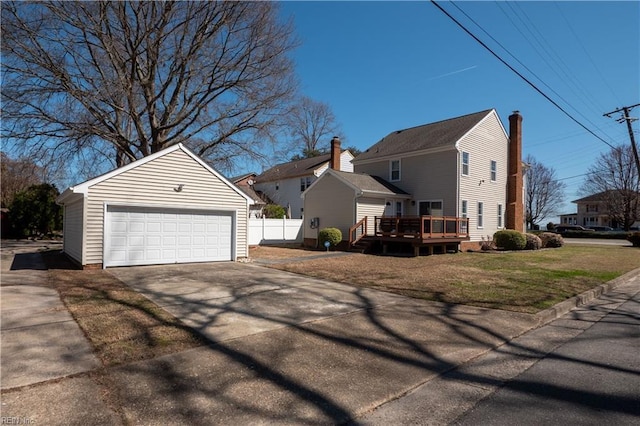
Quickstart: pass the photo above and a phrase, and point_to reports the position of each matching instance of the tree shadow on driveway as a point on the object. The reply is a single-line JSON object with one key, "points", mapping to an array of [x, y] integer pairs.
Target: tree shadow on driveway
{"points": [[320, 352]]}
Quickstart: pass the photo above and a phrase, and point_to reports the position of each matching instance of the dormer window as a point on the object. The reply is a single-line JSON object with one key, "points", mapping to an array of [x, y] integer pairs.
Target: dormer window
{"points": [[394, 170]]}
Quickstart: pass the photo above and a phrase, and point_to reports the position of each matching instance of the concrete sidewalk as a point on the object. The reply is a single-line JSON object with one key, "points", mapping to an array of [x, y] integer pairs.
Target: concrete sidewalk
{"points": [[40, 340]]}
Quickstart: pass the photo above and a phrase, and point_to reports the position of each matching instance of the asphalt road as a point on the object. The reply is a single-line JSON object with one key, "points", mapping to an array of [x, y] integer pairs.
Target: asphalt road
{"points": [[597, 241], [592, 379]]}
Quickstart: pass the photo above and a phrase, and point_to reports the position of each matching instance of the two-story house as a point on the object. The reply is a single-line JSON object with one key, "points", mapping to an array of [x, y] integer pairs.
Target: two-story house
{"points": [[456, 181], [284, 182], [594, 210]]}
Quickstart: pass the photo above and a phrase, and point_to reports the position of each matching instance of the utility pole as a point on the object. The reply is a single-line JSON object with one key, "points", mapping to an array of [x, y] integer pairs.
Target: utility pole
{"points": [[626, 117]]}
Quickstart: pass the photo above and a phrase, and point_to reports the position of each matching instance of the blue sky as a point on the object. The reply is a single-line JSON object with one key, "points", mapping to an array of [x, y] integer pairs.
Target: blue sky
{"points": [[384, 66]]}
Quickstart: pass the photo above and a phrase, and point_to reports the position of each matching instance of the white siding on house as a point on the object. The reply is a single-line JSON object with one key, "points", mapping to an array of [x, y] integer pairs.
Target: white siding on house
{"points": [[152, 184], [73, 230], [486, 143], [345, 164], [369, 207], [287, 192], [333, 202]]}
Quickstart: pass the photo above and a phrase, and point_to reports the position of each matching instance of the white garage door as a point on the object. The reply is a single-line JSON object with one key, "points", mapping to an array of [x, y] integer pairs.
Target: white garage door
{"points": [[148, 236]]}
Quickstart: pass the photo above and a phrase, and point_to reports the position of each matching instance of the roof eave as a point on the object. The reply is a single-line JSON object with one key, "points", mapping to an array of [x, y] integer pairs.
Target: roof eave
{"points": [[381, 194], [71, 195]]}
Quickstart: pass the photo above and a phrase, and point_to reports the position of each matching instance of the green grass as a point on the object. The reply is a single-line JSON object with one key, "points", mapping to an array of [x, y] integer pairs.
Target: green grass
{"points": [[523, 281]]}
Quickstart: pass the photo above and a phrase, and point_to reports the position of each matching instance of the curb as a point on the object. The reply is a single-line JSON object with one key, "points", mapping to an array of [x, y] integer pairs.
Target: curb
{"points": [[563, 307]]}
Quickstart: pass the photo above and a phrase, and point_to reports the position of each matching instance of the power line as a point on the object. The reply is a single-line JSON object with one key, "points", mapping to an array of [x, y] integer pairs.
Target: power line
{"points": [[595, 66], [571, 81], [518, 60], [519, 74]]}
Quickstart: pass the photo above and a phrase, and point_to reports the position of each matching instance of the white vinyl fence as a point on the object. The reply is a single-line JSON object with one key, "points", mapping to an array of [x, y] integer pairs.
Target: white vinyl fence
{"points": [[274, 231]]}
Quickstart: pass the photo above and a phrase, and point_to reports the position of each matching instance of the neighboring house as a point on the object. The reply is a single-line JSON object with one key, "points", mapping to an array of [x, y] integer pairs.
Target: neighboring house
{"points": [[464, 169], [245, 184], [169, 207], [284, 183], [593, 211], [569, 219]]}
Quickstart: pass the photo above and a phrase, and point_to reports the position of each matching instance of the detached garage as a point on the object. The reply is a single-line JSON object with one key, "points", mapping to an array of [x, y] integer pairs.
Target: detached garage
{"points": [[169, 207]]}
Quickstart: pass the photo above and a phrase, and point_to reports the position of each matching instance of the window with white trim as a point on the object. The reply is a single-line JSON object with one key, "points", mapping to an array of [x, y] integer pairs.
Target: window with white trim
{"points": [[305, 183], [465, 164], [394, 170], [494, 171], [464, 213], [480, 214], [500, 216], [398, 208]]}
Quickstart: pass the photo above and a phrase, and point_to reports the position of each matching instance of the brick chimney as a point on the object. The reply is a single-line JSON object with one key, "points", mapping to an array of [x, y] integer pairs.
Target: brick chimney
{"points": [[335, 153], [515, 201]]}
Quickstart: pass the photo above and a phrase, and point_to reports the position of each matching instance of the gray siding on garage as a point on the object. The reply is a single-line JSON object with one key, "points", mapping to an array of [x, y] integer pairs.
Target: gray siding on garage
{"points": [[152, 184], [73, 230]]}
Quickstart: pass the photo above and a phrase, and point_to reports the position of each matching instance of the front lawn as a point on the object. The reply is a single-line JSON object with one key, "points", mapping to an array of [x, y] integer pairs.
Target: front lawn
{"points": [[525, 281]]}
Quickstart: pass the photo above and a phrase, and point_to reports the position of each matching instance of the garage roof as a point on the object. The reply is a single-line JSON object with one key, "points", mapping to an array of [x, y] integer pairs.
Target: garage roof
{"points": [[78, 191]]}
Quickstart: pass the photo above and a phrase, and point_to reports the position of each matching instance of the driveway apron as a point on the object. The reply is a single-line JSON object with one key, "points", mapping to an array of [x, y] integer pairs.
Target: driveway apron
{"points": [[229, 300]]}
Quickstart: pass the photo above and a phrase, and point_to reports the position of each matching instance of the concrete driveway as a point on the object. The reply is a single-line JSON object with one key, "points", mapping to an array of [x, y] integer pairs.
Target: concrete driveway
{"points": [[229, 300], [290, 349]]}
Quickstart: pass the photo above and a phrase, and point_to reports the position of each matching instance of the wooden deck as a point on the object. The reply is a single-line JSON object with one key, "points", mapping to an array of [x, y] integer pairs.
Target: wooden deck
{"points": [[424, 228], [418, 231]]}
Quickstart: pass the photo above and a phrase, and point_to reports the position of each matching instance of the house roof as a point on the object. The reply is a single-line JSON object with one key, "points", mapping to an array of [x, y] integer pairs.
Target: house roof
{"points": [[257, 199], [590, 198], [428, 136], [74, 192], [368, 183], [296, 168], [237, 179], [600, 196], [364, 184]]}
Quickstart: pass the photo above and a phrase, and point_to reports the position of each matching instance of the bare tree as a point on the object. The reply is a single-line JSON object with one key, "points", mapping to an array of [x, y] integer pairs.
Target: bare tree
{"points": [[311, 124], [614, 178], [124, 79], [544, 193], [17, 176]]}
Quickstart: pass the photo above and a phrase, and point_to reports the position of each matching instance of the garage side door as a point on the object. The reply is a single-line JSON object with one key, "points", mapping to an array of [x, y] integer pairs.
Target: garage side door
{"points": [[148, 236]]}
